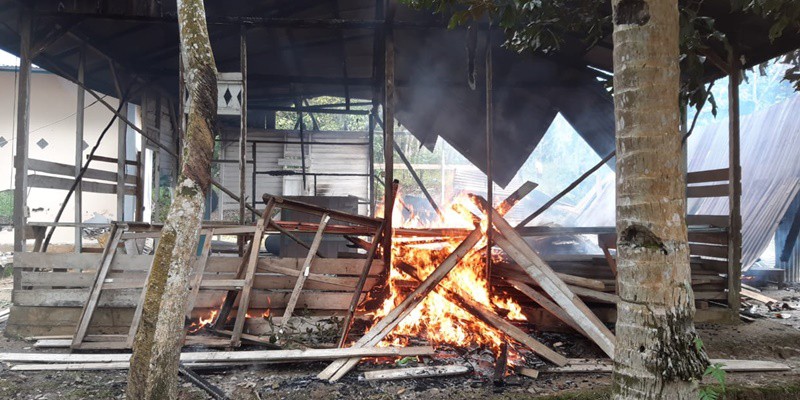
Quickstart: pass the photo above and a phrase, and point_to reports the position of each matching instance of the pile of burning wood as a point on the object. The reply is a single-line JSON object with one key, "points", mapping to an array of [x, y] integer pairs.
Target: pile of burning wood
{"points": [[440, 303], [439, 290]]}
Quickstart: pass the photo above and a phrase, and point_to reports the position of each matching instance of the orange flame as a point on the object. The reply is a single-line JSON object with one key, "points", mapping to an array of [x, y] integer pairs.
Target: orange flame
{"points": [[438, 318], [203, 322]]}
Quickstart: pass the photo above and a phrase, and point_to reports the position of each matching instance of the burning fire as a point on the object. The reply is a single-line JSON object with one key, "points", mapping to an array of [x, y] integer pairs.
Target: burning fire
{"points": [[440, 319], [203, 322]]}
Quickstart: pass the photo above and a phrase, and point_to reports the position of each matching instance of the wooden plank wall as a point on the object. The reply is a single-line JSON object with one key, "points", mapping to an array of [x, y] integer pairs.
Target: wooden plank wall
{"points": [[50, 289]]}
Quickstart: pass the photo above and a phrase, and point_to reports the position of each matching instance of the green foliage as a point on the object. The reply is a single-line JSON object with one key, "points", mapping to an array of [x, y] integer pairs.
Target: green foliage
{"points": [[715, 371], [713, 392], [543, 26], [536, 25], [6, 205], [323, 122]]}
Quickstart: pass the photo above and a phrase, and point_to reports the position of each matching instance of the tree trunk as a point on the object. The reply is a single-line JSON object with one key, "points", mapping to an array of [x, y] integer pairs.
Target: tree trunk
{"points": [[156, 349], [657, 355]]}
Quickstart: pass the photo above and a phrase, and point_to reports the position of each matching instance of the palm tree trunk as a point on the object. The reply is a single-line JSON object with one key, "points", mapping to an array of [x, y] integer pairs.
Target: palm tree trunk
{"points": [[156, 349], [657, 354]]}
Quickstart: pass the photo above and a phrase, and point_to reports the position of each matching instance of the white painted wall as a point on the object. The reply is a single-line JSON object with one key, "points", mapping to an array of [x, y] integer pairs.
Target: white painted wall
{"points": [[53, 106]]}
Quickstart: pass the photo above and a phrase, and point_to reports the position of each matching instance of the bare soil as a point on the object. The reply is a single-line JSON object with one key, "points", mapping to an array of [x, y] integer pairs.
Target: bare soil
{"points": [[769, 338]]}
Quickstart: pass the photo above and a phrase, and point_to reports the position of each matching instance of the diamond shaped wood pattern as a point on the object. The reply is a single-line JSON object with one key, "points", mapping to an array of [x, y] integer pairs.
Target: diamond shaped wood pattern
{"points": [[229, 94], [42, 143], [3, 141]]}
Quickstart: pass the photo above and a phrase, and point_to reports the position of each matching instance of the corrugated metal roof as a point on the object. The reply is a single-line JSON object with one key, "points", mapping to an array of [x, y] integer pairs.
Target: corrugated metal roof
{"points": [[770, 145], [433, 97]]}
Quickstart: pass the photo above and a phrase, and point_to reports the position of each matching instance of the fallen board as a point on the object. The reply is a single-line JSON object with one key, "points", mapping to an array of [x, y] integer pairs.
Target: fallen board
{"points": [[416, 372], [226, 356], [594, 366], [757, 296]]}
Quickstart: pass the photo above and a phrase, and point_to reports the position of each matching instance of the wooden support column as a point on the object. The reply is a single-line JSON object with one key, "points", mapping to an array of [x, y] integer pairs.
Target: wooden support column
{"points": [[122, 152], [243, 123], [79, 122], [388, 130], [735, 188], [489, 134], [371, 152], [23, 130]]}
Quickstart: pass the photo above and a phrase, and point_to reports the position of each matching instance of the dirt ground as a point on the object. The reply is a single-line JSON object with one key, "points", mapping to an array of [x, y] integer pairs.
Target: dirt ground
{"points": [[765, 339]]}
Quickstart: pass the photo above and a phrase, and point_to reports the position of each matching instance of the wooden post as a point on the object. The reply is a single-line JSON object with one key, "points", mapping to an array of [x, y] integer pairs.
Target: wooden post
{"points": [[735, 189], [243, 122], [388, 132], [23, 128], [122, 146], [122, 152], [371, 152], [79, 119], [489, 133]]}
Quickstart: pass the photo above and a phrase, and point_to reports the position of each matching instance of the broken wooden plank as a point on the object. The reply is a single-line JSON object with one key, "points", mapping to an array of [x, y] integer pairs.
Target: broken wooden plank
{"points": [[415, 372], [516, 247], [529, 372], [249, 274], [757, 296], [362, 279], [298, 286], [94, 296], [295, 205]]}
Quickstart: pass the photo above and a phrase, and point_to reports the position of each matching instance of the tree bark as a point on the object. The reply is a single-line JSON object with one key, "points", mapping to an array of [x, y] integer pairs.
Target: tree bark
{"points": [[156, 349], [657, 355]]}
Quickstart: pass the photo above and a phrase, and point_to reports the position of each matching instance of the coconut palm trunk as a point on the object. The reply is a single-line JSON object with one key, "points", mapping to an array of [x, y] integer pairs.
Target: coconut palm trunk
{"points": [[156, 349], [657, 356]]}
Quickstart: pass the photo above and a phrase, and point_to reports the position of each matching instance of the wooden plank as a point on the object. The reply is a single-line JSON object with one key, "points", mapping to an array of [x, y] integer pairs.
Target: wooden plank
{"points": [[707, 191], [708, 250], [255, 245], [758, 296], [415, 372], [120, 280], [362, 280], [97, 287], [547, 304], [709, 237], [605, 366], [520, 251], [215, 263], [52, 182], [69, 170], [128, 298], [298, 286], [582, 282], [721, 221], [594, 294], [295, 205], [137, 315], [712, 175], [227, 356], [529, 372], [197, 279]]}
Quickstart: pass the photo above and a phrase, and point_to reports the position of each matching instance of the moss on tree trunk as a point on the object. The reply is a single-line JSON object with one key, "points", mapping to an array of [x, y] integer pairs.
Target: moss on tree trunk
{"points": [[156, 349]]}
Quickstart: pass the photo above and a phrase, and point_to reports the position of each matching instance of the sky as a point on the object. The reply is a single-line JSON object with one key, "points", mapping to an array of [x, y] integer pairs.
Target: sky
{"points": [[8, 59]]}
